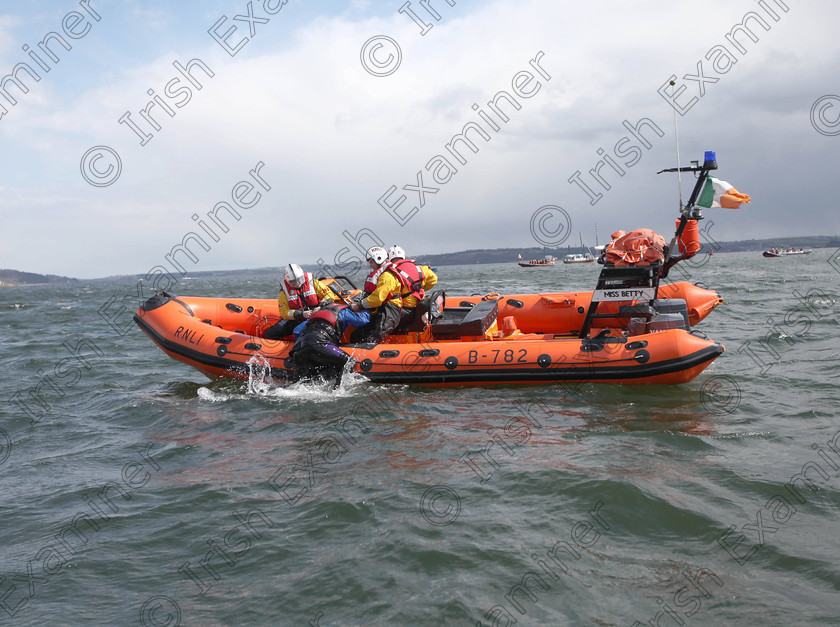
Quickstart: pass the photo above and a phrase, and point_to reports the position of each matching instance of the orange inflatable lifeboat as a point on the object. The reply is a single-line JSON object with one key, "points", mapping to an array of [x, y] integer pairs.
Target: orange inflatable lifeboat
{"points": [[629, 329], [518, 338]]}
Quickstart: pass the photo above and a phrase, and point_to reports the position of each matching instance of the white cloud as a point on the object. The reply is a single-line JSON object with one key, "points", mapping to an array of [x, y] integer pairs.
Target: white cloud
{"points": [[334, 138]]}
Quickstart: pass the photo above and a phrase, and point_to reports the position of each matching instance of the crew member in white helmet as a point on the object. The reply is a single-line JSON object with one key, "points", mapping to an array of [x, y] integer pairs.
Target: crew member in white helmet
{"points": [[300, 295], [415, 280], [382, 297]]}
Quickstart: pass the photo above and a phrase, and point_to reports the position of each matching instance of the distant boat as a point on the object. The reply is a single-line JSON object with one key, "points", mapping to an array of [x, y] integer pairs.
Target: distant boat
{"points": [[784, 252], [586, 257], [537, 263], [579, 258]]}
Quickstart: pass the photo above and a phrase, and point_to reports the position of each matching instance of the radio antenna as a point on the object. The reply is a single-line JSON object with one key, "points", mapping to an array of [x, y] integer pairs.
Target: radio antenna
{"points": [[673, 83]]}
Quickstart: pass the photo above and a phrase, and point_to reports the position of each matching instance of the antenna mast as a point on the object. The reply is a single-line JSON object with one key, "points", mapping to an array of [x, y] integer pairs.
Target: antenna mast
{"points": [[673, 83]]}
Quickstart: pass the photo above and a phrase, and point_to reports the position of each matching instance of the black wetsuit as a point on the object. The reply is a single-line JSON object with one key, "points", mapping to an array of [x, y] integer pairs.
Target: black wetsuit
{"points": [[316, 354]]}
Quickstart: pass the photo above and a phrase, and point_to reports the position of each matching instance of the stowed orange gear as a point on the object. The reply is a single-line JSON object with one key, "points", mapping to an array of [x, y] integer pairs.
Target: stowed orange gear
{"points": [[636, 248]]}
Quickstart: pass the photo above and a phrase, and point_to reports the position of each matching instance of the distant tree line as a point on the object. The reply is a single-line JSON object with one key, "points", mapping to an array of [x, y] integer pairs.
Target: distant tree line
{"points": [[16, 277]]}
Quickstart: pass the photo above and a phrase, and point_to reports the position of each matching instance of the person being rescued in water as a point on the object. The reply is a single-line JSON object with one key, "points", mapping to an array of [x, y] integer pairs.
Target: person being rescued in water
{"points": [[415, 280], [382, 289], [316, 354], [300, 295]]}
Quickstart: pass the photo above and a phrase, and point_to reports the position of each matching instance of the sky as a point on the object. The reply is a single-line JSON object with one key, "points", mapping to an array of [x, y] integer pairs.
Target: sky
{"points": [[330, 126]]}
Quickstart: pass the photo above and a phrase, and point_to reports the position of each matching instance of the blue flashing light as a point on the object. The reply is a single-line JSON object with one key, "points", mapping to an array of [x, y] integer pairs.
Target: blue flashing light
{"points": [[710, 156]]}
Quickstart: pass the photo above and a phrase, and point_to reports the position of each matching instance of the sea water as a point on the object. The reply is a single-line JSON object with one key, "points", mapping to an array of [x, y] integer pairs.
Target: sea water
{"points": [[137, 492]]}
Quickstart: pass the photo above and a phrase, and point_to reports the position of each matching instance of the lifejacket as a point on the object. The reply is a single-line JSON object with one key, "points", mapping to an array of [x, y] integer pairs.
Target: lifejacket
{"points": [[304, 297], [373, 278], [327, 314], [322, 328], [411, 278]]}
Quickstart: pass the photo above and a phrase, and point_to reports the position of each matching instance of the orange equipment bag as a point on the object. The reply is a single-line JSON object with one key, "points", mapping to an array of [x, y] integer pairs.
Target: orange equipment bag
{"points": [[689, 241], [636, 248]]}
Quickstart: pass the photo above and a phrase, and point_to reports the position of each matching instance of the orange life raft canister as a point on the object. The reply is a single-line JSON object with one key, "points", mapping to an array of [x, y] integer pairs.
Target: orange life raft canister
{"points": [[689, 241]]}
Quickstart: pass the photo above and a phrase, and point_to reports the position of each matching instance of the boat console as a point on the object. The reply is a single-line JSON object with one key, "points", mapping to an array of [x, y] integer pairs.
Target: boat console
{"points": [[658, 315], [458, 322]]}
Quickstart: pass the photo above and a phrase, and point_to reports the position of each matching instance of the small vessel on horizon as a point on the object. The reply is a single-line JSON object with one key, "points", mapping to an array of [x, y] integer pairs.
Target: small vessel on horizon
{"points": [[548, 260], [586, 257], [784, 252]]}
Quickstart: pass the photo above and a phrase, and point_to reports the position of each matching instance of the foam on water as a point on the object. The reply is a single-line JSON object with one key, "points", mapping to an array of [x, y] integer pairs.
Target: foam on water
{"points": [[261, 384], [317, 392]]}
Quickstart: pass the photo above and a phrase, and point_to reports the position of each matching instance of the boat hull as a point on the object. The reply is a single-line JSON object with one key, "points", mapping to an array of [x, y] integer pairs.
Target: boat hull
{"points": [[768, 253], [669, 357], [222, 339]]}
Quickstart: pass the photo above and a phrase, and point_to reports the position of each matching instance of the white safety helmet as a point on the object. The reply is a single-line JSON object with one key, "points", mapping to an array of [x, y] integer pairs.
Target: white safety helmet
{"points": [[396, 252], [378, 254], [294, 273]]}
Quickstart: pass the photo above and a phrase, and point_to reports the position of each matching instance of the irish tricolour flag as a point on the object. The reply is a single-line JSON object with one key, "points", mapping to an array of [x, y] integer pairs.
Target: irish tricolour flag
{"points": [[717, 193]]}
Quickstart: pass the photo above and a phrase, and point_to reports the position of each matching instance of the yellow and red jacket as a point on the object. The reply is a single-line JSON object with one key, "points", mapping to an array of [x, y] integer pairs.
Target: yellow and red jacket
{"points": [[307, 296], [384, 287], [411, 297]]}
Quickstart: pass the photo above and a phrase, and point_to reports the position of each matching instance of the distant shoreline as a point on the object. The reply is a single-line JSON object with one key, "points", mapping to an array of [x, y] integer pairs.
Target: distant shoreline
{"points": [[16, 278]]}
